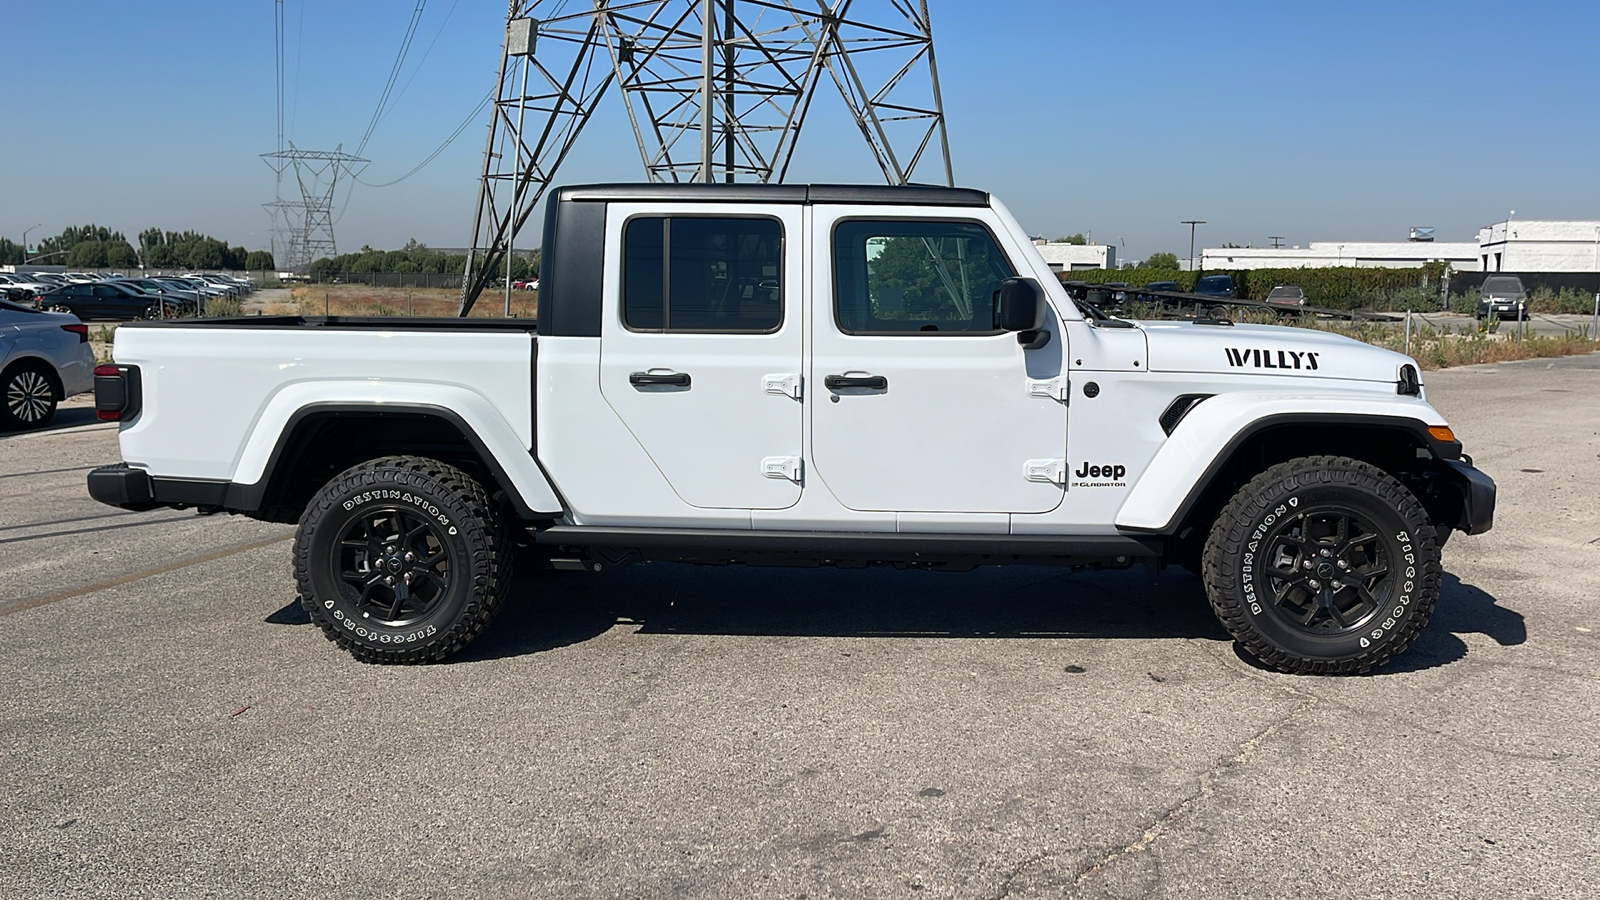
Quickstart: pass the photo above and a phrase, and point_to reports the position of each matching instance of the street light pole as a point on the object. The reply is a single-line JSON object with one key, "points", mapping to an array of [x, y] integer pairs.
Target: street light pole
{"points": [[25, 243], [1192, 223]]}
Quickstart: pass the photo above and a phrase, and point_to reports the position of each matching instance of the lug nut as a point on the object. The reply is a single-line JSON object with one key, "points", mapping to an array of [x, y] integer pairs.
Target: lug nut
{"points": [[1343, 564], [1315, 584], [1327, 552], [1306, 564], [1337, 585]]}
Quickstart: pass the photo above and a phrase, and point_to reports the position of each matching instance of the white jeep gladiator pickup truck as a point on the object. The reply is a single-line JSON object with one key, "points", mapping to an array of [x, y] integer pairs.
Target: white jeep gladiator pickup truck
{"points": [[794, 374]]}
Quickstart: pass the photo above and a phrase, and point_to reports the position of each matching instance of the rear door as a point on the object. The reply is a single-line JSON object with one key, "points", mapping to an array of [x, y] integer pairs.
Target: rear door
{"points": [[701, 346], [920, 403]]}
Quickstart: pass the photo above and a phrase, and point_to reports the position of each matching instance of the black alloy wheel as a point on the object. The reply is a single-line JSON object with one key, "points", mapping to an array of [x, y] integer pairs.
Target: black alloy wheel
{"points": [[1323, 565], [393, 565], [30, 398], [1328, 570]]}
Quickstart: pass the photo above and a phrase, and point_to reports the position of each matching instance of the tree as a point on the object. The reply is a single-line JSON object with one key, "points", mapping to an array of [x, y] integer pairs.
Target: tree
{"points": [[1162, 261], [87, 255], [259, 261], [1078, 239]]}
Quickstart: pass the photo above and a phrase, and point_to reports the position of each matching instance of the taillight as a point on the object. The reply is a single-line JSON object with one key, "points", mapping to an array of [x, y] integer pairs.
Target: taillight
{"points": [[81, 330], [116, 392]]}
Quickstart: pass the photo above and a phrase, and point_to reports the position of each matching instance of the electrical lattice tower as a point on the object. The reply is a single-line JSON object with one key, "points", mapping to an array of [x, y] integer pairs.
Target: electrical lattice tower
{"points": [[715, 90], [308, 224]]}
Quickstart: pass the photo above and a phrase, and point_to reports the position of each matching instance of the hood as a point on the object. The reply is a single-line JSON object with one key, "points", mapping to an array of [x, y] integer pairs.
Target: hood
{"points": [[1267, 350]]}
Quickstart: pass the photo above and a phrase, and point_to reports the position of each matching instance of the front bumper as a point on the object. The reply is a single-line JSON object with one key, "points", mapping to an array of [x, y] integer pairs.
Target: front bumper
{"points": [[1476, 493]]}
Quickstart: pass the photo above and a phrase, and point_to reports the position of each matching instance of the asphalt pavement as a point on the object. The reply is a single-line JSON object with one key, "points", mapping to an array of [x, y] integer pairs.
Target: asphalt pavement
{"points": [[170, 726]]}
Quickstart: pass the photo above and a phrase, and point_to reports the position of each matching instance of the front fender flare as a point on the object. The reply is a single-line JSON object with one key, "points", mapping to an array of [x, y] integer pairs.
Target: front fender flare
{"points": [[1202, 443]]}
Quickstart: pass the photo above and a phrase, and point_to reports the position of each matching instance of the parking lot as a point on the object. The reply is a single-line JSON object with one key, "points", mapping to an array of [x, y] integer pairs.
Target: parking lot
{"points": [[171, 727]]}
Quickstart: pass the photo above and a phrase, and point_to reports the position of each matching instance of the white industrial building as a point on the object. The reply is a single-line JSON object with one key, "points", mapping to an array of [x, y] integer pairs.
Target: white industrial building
{"points": [[1510, 246], [1463, 257], [1539, 246], [1064, 257]]}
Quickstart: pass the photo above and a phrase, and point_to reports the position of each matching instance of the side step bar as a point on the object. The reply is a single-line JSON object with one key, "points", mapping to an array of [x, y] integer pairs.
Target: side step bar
{"points": [[855, 543]]}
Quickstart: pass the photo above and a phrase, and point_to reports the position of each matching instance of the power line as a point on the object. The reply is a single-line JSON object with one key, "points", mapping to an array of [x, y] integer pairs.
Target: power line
{"points": [[441, 148], [394, 74], [425, 54]]}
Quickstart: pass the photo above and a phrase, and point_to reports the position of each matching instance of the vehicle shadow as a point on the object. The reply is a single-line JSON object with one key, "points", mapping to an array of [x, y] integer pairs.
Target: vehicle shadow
{"points": [[549, 611], [1462, 609], [65, 417]]}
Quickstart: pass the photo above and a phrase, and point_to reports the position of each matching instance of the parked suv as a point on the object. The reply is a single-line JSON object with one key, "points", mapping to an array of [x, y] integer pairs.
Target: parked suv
{"points": [[1215, 286], [1287, 297], [1503, 297]]}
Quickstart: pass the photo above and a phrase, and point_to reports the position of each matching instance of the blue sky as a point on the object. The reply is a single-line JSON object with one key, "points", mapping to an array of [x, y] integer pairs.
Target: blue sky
{"points": [[1316, 121]]}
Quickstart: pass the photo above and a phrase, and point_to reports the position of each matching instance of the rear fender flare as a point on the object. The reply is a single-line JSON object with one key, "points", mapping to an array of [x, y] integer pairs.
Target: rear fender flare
{"points": [[505, 452]]}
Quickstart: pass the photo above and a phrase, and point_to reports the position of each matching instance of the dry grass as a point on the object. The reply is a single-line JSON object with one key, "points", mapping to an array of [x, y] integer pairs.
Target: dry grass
{"points": [[1434, 349], [361, 300]]}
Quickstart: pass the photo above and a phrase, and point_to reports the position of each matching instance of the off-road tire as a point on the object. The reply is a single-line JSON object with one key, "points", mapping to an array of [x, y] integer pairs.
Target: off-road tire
{"points": [[29, 393], [464, 524], [1244, 574]]}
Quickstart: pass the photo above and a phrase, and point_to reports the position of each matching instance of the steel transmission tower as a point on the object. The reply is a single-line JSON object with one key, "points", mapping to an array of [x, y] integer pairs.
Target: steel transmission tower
{"points": [[308, 223], [715, 90]]}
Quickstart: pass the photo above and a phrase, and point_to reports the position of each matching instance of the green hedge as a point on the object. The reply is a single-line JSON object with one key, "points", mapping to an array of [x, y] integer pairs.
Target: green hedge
{"points": [[1343, 287]]}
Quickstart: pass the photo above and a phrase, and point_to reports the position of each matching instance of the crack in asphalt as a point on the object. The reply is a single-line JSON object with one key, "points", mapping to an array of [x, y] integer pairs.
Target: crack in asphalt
{"points": [[1241, 755]]}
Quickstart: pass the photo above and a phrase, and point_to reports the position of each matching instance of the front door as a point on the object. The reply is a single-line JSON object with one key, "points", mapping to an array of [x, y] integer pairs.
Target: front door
{"points": [[701, 347], [921, 404]]}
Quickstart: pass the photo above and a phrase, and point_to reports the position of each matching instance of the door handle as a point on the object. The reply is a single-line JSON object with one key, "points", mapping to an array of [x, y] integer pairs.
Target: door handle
{"points": [[871, 382], [674, 379]]}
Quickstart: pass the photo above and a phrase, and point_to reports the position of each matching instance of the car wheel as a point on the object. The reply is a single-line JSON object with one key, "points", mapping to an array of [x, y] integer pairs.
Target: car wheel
{"points": [[402, 560], [1323, 566], [28, 396]]}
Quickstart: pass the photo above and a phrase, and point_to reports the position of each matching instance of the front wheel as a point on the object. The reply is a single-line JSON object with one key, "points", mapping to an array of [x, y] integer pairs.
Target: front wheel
{"points": [[402, 560], [1323, 565]]}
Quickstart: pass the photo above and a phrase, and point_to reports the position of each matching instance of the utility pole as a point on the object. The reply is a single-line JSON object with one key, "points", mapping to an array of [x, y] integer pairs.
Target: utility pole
{"points": [[1277, 240], [1192, 223]]}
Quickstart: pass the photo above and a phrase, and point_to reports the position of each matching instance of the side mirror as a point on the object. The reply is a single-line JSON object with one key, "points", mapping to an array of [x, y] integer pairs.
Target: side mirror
{"points": [[1020, 306]]}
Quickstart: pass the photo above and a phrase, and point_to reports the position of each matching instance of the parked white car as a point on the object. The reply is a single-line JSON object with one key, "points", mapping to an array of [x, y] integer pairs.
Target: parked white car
{"points": [[44, 358]]}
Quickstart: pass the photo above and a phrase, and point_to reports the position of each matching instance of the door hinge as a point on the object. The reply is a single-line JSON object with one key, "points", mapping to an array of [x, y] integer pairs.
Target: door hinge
{"points": [[783, 385], [1046, 471], [785, 468], [1058, 388]]}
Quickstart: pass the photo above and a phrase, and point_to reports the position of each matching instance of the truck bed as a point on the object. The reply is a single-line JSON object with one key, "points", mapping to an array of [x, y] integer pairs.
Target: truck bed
{"points": [[352, 323]]}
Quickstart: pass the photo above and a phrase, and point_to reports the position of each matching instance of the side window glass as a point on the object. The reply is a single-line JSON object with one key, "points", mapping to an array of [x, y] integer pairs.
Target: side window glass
{"points": [[101, 290], [702, 274], [907, 277]]}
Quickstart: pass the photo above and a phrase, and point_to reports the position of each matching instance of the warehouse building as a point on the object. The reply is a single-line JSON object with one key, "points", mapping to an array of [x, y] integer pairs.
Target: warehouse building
{"points": [[1064, 257], [1511, 246], [1540, 246]]}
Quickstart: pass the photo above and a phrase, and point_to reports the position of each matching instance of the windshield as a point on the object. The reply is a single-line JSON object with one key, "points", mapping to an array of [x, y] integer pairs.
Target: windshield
{"points": [[1285, 293], [1215, 281], [1502, 286]]}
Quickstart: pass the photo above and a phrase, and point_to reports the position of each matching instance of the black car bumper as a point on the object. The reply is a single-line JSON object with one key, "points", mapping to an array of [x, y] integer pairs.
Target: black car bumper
{"points": [[134, 489], [1475, 491]]}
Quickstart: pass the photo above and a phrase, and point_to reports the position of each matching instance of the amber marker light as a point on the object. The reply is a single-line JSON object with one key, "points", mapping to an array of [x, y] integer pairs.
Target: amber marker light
{"points": [[1441, 433]]}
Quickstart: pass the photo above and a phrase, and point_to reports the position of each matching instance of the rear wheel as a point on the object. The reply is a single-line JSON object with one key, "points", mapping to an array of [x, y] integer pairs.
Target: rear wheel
{"points": [[402, 560], [28, 397], [1323, 565]]}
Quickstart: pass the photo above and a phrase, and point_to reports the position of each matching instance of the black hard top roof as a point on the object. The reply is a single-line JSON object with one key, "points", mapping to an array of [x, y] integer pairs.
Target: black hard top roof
{"points": [[912, 194]]}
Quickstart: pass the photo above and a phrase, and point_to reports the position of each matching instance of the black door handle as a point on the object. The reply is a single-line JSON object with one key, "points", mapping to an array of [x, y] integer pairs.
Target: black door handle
{"points": [[675, 379], [871, 382]]}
